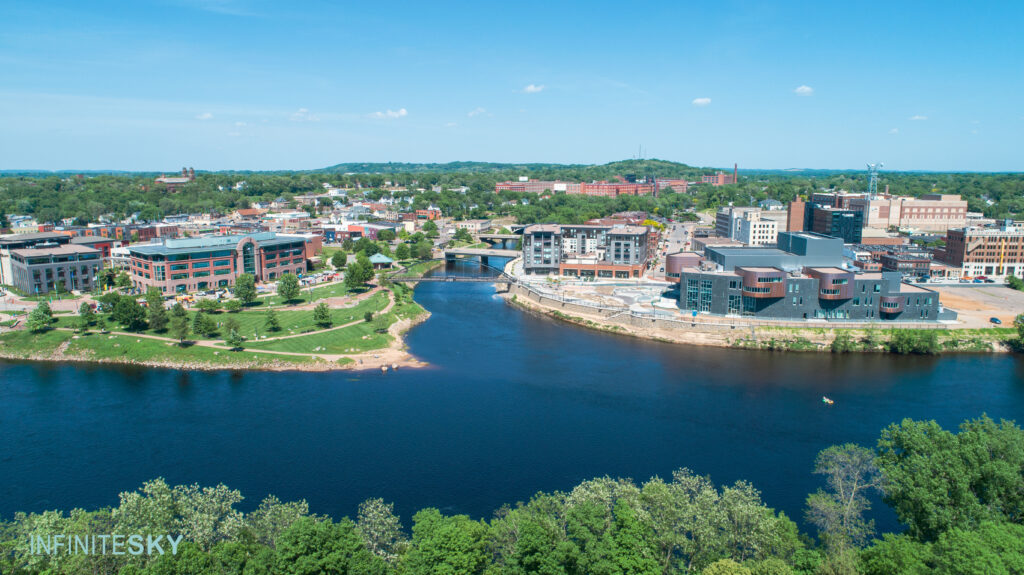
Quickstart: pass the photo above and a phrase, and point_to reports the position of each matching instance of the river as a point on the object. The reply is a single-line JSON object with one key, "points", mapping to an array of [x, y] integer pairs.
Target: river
{"points": [[513, 404]]}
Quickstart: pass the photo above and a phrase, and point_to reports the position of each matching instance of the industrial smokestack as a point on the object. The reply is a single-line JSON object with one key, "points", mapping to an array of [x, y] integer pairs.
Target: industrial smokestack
{"points": [[735, 173]]}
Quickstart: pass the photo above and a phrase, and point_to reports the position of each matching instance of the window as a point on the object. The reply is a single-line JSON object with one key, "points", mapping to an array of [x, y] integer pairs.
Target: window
{"points": [[200, 265], [176, 267], [219, 263], [178, 276], [201, 274], [221, 272]]}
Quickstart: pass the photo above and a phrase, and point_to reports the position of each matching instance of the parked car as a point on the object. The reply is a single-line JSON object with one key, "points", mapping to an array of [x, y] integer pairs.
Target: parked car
{"points": [[995, 320]]}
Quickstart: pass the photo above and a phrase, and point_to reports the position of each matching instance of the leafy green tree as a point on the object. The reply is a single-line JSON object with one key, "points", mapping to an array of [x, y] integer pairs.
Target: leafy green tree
{"points": [[177, 310], [381, 323], [156, 311], [463, 235], [44, 307], [38, 320], [1015, 282], [769, 566], [232, 324], [381, 530], [108, 301], [913, 341], [897, 554], [358, 273], [233, 306], [1018, 323], [440, 544], [123, 280], [288, 287], [386, 235], [842, 343], [203, 325], [936, 480], [423, 250], [86, 317], [402, 252], [368, 316], [179, 327], [311, 547], [338, 260], [208, 305], [272, 518], [234, 340], [322, 315], [726, 567], [271, 322], [245, 288], [130, 314], [838, 513], [991, 549], [101, 324]]}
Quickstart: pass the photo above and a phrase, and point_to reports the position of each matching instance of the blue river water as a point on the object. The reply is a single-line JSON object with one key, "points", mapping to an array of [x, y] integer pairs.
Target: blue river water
{"points": [[512, 404]]}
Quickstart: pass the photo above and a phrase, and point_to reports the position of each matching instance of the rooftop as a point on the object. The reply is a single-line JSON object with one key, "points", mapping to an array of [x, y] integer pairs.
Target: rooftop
{"points": [[188, 245], [57, 251]]}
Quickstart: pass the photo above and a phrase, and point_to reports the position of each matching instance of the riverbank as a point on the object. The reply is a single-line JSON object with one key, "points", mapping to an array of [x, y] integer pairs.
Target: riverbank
{"points": [[740, 335], [357, 344]]}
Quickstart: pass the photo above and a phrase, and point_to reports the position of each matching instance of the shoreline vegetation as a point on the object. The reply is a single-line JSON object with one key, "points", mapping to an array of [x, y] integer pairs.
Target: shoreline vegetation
{"points": [[956, 495], [891, 339]]}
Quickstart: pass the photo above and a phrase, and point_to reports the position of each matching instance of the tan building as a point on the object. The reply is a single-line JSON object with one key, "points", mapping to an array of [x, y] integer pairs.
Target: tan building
{"points": [[930, 212], [757, 231], [990, 252]]}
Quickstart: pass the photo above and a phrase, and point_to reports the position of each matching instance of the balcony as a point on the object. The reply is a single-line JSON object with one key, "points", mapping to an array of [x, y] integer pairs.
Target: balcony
{"points": [[891, 304]]}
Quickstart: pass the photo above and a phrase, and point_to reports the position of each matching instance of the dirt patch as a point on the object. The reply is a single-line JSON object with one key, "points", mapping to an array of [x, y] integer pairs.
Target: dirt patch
{"points": [[975, 305]]}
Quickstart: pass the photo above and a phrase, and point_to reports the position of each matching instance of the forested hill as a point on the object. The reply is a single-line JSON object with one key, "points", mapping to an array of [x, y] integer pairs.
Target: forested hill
{"points": [[657, 168]]}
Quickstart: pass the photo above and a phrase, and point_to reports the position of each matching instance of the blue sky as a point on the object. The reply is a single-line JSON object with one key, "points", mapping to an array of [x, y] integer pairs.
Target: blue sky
{"points": [[253, 84]]}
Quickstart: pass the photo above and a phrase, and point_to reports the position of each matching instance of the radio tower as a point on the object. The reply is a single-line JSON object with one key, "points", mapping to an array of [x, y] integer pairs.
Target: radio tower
{"points": [[873, 178]]}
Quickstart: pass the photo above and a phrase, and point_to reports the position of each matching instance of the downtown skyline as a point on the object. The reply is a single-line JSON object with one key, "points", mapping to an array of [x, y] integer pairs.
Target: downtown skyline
{"points": [[220, 85]]}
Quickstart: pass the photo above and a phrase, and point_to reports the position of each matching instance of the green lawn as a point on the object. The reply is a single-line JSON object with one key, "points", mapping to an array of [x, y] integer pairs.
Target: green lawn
{"points": [[291, 321], [337, 341], [317, 293]]}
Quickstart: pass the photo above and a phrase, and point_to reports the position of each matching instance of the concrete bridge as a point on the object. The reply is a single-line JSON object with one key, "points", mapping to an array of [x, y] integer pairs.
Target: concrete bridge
{"points": [[502, 279], [482, 253]]}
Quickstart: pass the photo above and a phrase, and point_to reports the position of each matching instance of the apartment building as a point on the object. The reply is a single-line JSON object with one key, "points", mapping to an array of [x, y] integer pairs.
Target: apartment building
{"points": [[757, 231], [801, 280], [586, 251], [185, 265], [41, 270], [992, 252]]}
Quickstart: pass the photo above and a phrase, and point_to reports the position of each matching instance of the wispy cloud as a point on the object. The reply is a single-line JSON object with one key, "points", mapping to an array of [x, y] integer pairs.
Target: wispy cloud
{"points": [[240, 124], [390, 114], [918, 117], [803, 90], [701, 102], [533, 88], [205, 116], [894, 131], [304, 115], [451, 124], [476, 112]]}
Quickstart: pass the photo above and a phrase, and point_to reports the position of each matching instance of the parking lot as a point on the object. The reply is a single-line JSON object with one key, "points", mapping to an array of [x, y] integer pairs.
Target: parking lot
{"points": [[975, 304]]}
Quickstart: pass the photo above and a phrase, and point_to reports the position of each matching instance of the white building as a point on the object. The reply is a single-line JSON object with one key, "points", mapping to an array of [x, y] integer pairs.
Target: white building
{"points": [[755, 231]]}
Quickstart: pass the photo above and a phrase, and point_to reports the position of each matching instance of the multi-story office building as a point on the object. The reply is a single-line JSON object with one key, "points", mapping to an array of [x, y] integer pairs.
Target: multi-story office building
{"points": [[993, 252], [40, 270], [836, 222], [21, 241], [586, 250], [799, 280], [727, 221], [757, 231], [930, 212], [909, 265], [184, 265]]}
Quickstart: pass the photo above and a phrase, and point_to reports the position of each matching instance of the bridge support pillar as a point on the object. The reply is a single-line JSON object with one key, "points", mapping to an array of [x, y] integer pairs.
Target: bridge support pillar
{"points": [[484, 260]]}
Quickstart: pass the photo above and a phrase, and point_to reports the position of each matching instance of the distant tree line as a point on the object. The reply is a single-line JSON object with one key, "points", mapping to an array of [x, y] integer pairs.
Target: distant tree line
{"points": [[959, 496]]}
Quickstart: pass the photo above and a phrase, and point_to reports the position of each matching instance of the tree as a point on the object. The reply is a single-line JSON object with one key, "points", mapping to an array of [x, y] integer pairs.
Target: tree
{"points": [[178, 310], [86, 317], [442, 544], [245, 288], [338, 260], [402, 252], [101, 324], [208, 305], [463, 235], [312, 547], [129, 314], [726, 567], [936, 480], [912, 341], [38, 320], [234, 340], [322, 315], [838, 513], [358, 273], [179, 327], [271, 323], [203, 325], [233, 306], [368, 316], [108, 301], [386, 235], [1015, 282], [423, 250], [157, 312], [232, 324], [429, 226], [288, 287], [381, 530], [842, 343], [123, 280], [1018, 323], [381, 323], [45, 308]]}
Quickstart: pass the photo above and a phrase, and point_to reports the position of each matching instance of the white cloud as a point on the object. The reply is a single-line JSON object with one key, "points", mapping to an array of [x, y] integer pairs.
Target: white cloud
{"points": [[803, 90], [476, 112], [240, 124], [894, 131], [533, 88], [701, 101], [205, 116], [918, 117], [451, 124], [390, 114], [304, 115]]}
